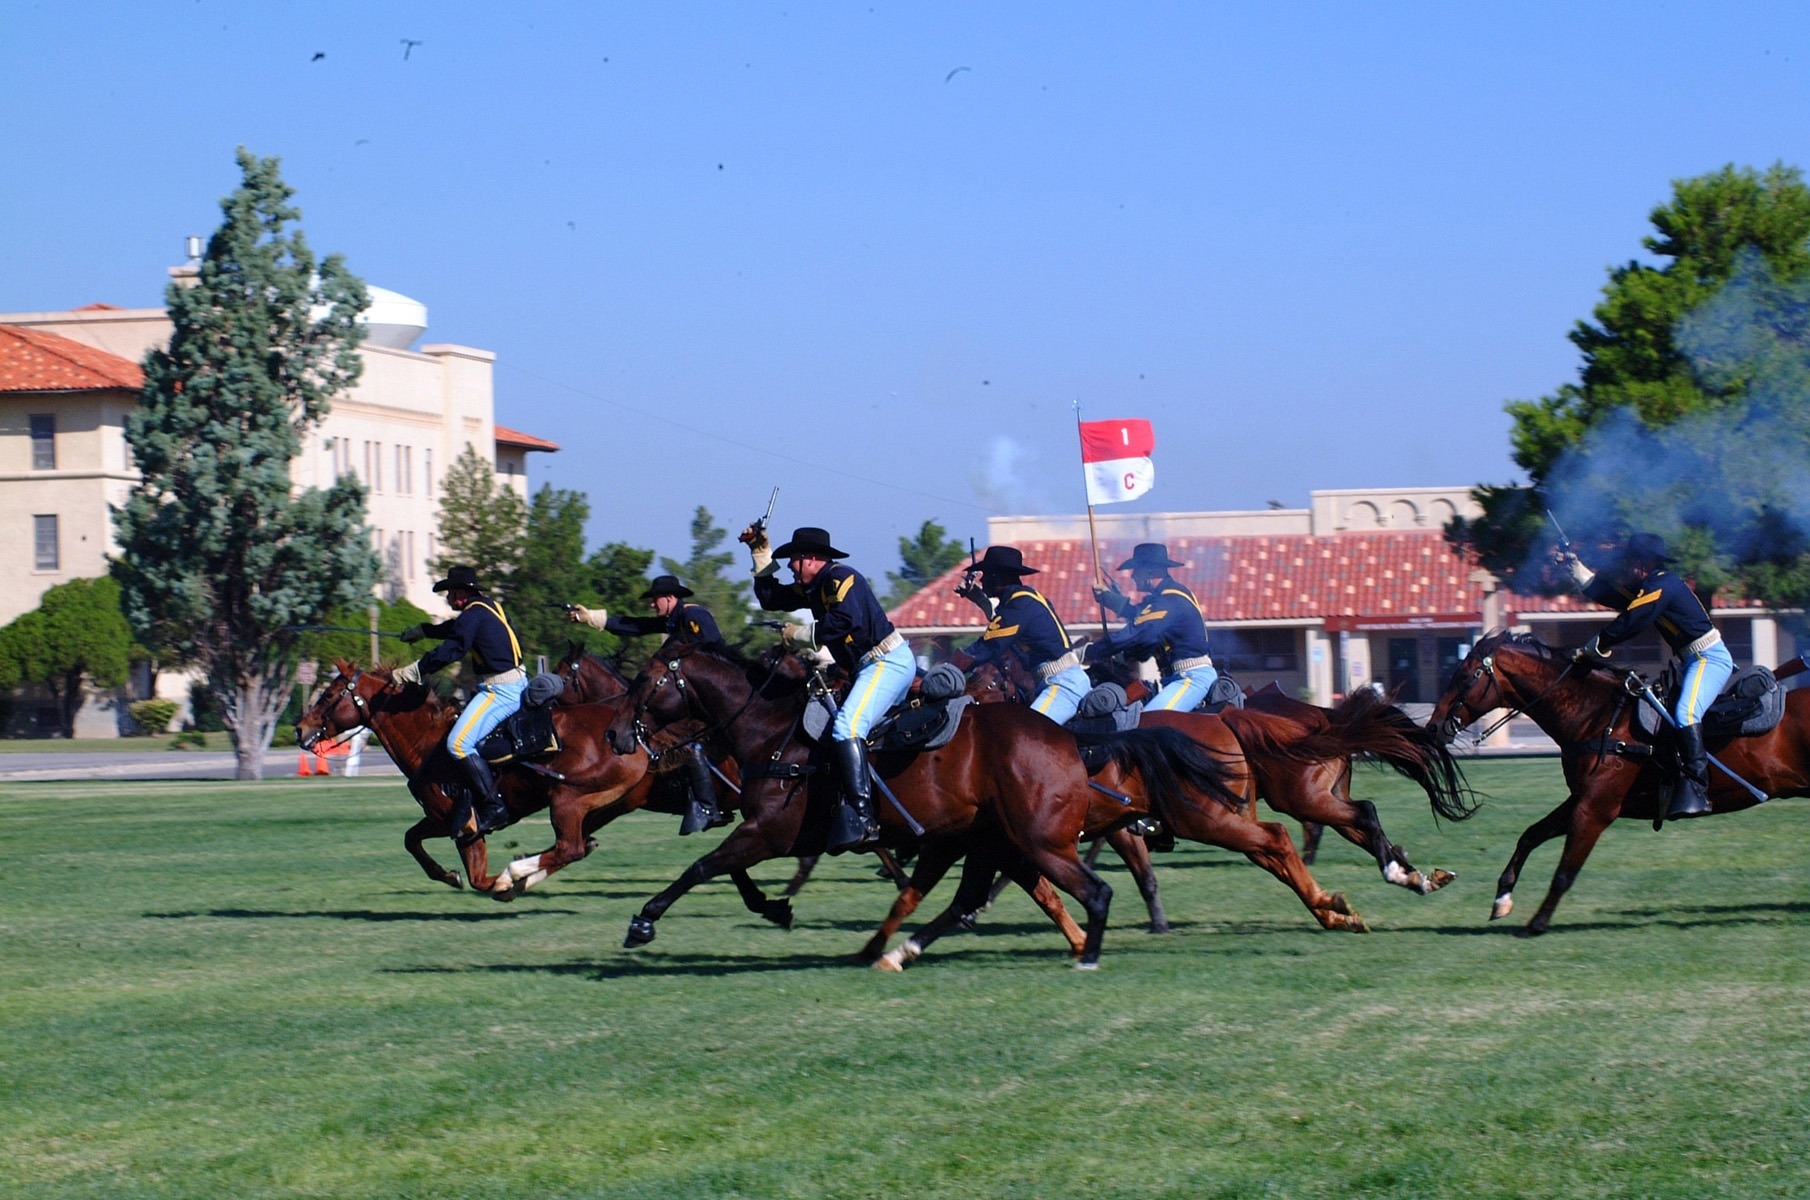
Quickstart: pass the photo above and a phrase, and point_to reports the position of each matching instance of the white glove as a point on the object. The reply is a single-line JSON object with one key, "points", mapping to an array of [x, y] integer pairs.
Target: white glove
{"points": [[1591, 653], [800, 637], [594, 617], [401, 676], [1579, 572], [763, 561]]}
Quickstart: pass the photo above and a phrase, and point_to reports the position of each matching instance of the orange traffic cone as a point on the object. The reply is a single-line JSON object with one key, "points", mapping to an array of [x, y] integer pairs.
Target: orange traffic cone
{"points": [[301, 765]]}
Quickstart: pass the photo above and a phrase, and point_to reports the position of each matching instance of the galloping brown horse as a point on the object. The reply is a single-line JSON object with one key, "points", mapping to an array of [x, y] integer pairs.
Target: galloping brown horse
{"points": [[1609, 770], [586, 785], [1006, 769]]}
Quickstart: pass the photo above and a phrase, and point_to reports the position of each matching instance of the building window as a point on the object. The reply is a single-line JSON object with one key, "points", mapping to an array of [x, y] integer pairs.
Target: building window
{"points": [[408, 555], [44, 442], [404, 482], [1254, 650], [44, 541], [427, 474], [377, 466]]}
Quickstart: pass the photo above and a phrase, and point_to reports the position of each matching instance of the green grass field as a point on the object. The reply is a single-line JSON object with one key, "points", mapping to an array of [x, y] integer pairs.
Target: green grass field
{"points": [[220, 990]]}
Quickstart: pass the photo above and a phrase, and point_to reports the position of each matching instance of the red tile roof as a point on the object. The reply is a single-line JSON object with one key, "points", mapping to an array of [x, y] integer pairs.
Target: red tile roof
{"points": [[523, 441], [32, 360], [99, 306], [1346, 580]]}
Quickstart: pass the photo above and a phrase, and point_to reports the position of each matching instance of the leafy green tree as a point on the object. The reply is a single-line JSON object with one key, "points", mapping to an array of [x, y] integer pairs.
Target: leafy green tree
{"points": [[393, 616], [218, 551], [483, 522], [616, 574], [1644, 375], [552, 572], [923, 557], [706, 574], [76, 632]]}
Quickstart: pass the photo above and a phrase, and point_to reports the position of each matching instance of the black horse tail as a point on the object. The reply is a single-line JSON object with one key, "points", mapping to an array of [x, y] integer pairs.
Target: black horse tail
{"points": [[1366, 724], [1169, 762]]}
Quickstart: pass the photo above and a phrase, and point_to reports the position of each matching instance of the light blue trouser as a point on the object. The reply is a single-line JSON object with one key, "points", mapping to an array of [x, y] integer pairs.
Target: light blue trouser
{"points": [[1705, 673], [1185, 692], [489, 708], [1063, 696], [880, 684]]}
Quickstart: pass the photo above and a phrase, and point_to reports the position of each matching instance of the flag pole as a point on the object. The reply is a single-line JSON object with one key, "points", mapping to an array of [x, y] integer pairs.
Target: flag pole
{"points": [[1093, 532]]}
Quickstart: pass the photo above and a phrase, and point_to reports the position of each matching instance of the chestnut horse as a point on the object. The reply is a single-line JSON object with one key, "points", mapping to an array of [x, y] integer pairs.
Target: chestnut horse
{"points": [[1610, 771], [586, 785], [1007, 776]]}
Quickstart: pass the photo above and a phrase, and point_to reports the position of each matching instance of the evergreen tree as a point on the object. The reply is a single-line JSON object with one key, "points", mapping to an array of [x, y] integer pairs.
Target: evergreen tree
{"points": [[552, 573], [76, 631], [923, 558], [616, 574], [483, 522], [218, 550], [725, 596], [1642, 378]]}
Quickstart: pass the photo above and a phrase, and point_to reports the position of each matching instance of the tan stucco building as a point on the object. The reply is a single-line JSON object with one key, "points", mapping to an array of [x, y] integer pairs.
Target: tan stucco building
{"points": [[68, 379]]}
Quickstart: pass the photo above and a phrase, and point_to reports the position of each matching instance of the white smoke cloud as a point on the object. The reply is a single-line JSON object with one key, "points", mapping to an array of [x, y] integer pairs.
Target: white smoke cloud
{"points": [[1006, 477]]}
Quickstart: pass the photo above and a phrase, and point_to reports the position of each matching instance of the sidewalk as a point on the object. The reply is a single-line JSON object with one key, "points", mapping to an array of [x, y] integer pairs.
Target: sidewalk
{"points": [[167, 764]]}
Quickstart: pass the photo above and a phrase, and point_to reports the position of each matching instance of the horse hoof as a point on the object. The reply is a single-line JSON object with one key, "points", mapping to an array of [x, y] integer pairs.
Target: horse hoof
{"points": [[780, 914], [1339, 904], [1530, 930], [1160, 927], [1088, 965], [1438, 879], [886, 962], [453, 881], [640, 933], [1504, 905], [503, 890]]}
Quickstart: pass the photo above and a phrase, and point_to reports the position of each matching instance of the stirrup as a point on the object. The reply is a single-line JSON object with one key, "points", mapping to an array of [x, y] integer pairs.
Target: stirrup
{"points": [[699, 817]]}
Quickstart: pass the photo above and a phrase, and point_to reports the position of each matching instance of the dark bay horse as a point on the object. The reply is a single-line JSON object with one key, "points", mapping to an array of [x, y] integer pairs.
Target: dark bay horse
{"points": [[1007, 771], [1609, 772]]}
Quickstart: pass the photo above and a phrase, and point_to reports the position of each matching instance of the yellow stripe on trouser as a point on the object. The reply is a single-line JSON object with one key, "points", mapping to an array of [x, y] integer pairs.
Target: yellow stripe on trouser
{"points": [[873, 685], [456, 741], [1048, 698]]}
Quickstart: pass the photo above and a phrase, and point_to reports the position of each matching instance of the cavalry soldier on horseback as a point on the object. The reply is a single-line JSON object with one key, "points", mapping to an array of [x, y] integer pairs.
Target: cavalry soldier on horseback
{"points": [[848, 622], [1023, 624], [1165, 623], [682, 622], [482, 630], [1647, 595]]}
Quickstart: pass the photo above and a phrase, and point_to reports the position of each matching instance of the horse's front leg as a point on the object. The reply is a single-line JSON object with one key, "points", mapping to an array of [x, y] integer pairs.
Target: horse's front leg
{"points": [[1593, 813], [933, 863], [421, 830], [1136, 854], [1552, 825], [747, 844], [777, 911]]}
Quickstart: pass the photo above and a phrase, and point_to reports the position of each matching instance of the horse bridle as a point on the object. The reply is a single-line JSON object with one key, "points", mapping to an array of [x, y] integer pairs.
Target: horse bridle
{"points": [[671, 673], [1486, 666], [358, 702]]}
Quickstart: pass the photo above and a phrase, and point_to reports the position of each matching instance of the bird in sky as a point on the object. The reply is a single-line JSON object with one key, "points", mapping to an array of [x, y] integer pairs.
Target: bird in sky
{"points": [[408, 46], [318, 55], [954, 73]]}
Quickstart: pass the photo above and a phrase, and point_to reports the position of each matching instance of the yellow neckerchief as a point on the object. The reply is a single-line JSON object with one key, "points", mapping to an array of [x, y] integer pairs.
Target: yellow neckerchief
{"points": [[495, 609], [994, 630]]}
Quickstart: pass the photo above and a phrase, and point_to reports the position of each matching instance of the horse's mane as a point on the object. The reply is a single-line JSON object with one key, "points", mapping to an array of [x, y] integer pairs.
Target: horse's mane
{"points": [[1495, 639], [775, 678]]}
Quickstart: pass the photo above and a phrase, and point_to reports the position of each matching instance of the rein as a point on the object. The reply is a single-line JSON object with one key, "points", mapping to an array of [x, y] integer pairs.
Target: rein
{"points": [[672, 672], [1487, 666]]}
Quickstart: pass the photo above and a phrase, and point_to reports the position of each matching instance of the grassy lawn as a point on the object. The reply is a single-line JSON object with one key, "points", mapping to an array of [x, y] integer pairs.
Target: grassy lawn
{"points": [[221, 990]]}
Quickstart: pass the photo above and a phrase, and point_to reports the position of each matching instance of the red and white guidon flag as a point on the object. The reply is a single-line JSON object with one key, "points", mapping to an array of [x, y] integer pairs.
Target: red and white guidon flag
{"points": [[1115, 457]]}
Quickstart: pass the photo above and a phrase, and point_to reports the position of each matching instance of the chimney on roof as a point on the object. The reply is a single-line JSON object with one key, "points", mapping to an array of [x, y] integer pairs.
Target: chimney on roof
{"points": [[189, 273]]}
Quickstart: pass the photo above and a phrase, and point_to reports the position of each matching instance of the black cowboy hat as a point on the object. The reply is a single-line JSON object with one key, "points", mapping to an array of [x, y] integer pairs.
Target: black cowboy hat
{"points": [[1648, 547], [666, 585], [461, 577], [1152, 555], [1003, 560], [808, 540]]}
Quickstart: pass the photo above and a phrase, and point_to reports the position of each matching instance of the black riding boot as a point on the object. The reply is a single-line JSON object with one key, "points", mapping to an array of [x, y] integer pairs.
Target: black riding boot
{"points": [[854, 827], [486, 801], [701, 813], [1690, 792]]}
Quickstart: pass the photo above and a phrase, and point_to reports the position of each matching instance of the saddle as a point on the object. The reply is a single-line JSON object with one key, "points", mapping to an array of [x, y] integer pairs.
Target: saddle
{"points": [[918, 724], [1751, 703], [527, 732], [1225, 693]]}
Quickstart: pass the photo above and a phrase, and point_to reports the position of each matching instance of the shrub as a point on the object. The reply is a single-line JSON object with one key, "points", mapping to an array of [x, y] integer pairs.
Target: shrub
{"points": [[153, 716]]}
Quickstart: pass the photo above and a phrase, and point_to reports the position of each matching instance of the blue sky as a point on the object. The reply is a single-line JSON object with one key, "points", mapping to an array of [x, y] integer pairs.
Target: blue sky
{"points": [[1318, 245]]}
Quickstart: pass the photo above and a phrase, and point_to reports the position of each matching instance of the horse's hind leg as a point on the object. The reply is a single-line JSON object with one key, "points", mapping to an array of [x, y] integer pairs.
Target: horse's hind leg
{"points": [[932, 864], [569, 811], [1064, 868], [1311, 833], [1532, 838], [425, 828], [1136, 854], [807, 863], [1267, 844]]}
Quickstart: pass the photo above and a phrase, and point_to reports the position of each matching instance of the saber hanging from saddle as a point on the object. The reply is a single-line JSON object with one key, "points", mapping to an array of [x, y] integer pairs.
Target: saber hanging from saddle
{"points": [[1645, 692]]}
